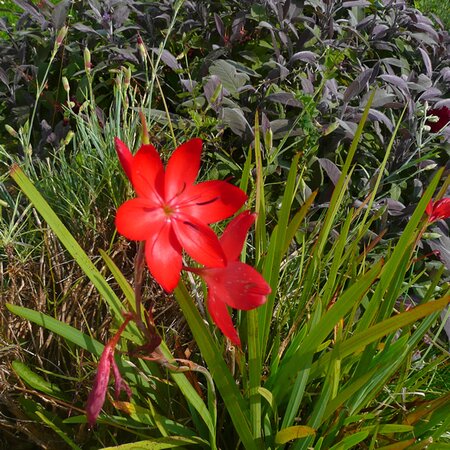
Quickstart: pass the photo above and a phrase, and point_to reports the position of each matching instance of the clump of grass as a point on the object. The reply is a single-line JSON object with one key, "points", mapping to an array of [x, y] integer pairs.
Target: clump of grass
{"points": [[435, 8]]}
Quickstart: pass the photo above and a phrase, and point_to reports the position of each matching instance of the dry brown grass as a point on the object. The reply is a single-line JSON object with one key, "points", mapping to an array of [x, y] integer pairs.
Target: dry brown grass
{"points": [[52, 283]]}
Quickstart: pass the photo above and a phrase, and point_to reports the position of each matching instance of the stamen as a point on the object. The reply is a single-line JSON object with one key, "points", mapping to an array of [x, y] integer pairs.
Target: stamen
{"points": [[208, 202]]}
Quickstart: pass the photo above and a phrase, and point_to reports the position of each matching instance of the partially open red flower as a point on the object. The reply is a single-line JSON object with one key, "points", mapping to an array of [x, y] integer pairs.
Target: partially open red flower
{"points": [[443, 115], [125, 156], [172, 213], [237, 285], [440, 209], [97, 395]]}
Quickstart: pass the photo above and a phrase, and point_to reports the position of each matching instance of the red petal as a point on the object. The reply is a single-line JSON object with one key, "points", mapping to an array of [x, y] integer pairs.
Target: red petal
{"points": [[182, 168], [199, 241], [148, 174], [238, 285], [441, 209], [125, 156], [221, 317], [139, 218], [97, 395], [235, 234], [212, 201], [163, 256], [119, 383]]}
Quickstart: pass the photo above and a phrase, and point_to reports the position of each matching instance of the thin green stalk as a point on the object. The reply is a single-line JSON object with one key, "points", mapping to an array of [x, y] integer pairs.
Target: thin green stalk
{"points": [[254, 370]]}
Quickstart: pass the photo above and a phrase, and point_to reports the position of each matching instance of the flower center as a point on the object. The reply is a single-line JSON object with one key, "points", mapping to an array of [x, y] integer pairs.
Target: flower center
{"points": [[168, 211]]}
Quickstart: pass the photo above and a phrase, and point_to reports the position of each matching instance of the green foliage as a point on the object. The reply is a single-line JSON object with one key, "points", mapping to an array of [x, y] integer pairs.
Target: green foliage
{"points": [[435, 8]]}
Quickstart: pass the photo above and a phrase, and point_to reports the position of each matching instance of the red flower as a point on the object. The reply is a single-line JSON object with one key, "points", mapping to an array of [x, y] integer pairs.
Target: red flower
{"points": [[97, 396], [237, 284], [440, 209], [171, 212], [444, 118]]}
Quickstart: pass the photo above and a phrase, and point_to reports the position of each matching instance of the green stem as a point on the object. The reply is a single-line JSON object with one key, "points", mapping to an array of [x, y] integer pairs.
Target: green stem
{"points": [[254, 368]]}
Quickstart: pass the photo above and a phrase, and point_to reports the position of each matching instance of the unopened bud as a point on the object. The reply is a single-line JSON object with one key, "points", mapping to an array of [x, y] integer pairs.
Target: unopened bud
{"points": [[87, 60], [141, 48], [433, 119], [69, 137], [66, 84], [61, 35], [427, 128], [127, 79], [11, 131]]}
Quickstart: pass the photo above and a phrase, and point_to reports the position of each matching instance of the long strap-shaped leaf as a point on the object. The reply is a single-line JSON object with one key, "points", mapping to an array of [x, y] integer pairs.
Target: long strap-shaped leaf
{"points": [[359, 341], [231, 395]]}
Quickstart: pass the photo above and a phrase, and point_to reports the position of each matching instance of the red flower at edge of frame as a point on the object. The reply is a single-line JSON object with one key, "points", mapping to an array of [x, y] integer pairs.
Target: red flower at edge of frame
{"points": [[172, 213], [440, 209], [444, 118], [237, 285]]}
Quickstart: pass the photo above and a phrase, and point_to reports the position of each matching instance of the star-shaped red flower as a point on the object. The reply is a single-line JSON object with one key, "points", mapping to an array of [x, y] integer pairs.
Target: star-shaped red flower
{"points": [[237, 285], [171, 212], [440, 209]]}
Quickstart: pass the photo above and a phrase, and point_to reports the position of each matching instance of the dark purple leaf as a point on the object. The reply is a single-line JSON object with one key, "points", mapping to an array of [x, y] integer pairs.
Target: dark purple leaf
{"points": [[285, 98], [234, 118], [441, 103], [357, 85], [442, 247], [380, 117], [330, 169], [352, 3], [3, 26], [305, 56], [219, 25], [265, 124], [394, 207], [120, 15], [127, 53], [31, 10], [84, 28], [283, 38], [59, 14], [210, 89], [237, 27], [428, 29], [379, 31], [188, 84], [426, 61], [4, 77], [283, 127], [307, 86], [167, 58], [349, 128], [231, 79], [431, 94], [445, 73], [396, 81]]}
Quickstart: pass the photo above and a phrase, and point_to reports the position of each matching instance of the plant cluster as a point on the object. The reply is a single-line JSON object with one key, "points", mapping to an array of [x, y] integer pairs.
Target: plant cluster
{"points": [[329, 120]]}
